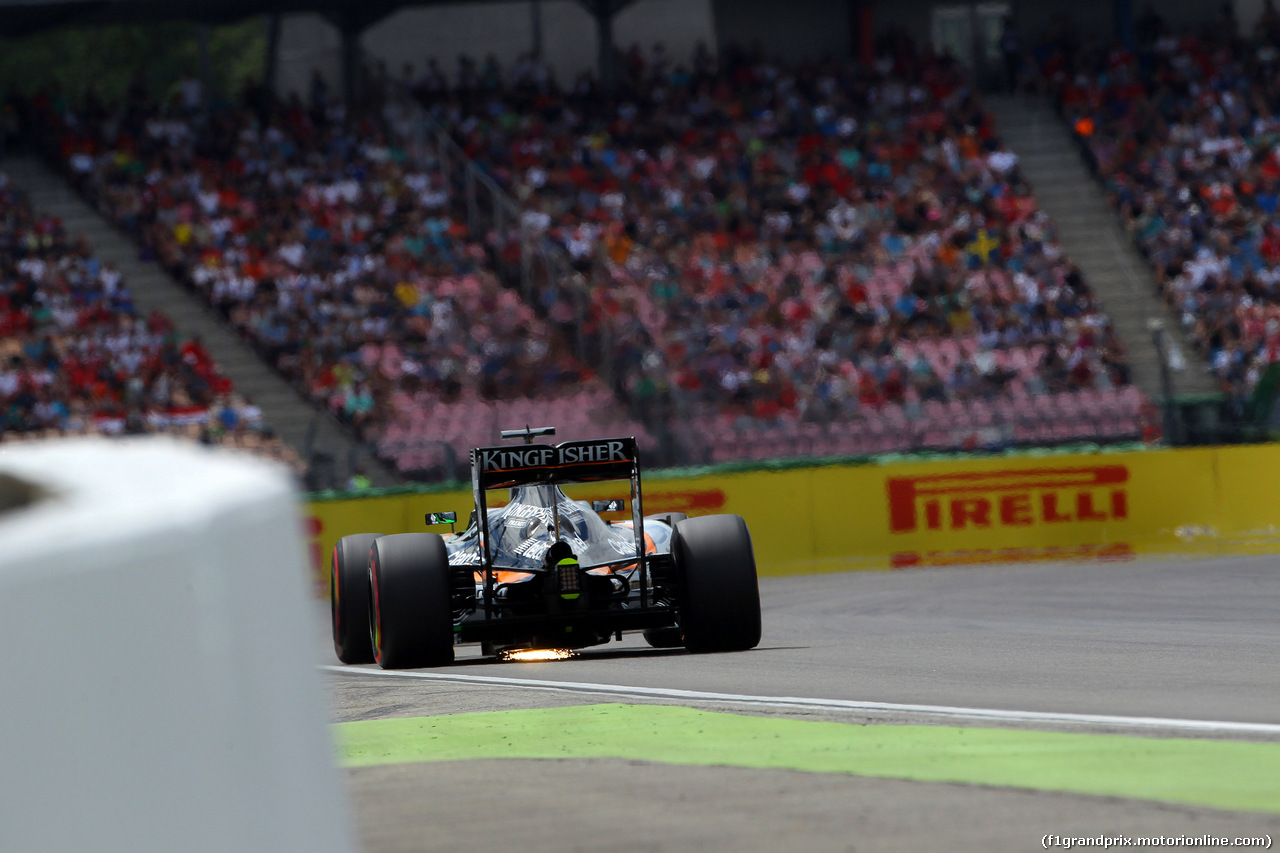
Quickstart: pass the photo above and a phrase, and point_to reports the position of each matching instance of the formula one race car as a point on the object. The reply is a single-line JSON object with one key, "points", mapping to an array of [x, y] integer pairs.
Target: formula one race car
{"points": [[545, 571]]}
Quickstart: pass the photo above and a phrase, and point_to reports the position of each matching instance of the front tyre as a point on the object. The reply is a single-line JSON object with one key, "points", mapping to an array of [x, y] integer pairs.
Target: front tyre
{"points": [[349, 598], [411, 617], [720, 606]]}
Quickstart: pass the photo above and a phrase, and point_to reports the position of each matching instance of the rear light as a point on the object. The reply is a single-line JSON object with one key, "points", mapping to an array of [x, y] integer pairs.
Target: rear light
{"points": [[567, 578]]}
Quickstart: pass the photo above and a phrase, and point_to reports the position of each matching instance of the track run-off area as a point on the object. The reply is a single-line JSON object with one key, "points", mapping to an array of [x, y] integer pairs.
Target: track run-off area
{"points": [[977, 707]]}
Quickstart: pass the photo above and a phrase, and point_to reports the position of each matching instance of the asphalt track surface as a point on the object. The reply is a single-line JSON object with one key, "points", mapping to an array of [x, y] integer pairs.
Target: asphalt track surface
{"points": [[1180, 639]]}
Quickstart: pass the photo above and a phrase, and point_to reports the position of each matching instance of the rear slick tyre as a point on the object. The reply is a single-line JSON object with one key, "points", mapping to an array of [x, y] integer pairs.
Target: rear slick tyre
{"points": [[411, 615], [720, 610], [349, 598]]}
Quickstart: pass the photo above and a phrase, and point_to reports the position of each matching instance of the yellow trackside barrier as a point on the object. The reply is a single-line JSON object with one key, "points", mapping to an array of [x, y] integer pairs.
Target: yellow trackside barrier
{"points": [[329, 519], [1211, 501]]}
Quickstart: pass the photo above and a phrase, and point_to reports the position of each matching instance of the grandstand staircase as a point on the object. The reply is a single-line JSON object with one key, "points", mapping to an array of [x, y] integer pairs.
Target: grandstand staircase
{"points": [[1092, 237], [317, 435]]}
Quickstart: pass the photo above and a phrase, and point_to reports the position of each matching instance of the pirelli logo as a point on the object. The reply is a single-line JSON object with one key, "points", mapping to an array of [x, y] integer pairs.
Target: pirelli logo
{"points": [[1008, 498]]}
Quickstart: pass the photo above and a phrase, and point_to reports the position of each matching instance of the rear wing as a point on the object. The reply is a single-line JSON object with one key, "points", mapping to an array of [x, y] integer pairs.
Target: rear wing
{"points": [[569, 461]]}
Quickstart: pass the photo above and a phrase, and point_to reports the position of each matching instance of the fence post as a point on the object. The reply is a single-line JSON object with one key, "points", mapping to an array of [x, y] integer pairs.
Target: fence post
{"points": [[442, 155], [473, 215], [498, 226], [526, 262]]}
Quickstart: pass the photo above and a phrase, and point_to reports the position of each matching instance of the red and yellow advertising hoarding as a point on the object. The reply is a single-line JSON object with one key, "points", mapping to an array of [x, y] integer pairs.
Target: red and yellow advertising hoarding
{"points": [[966, 510]]}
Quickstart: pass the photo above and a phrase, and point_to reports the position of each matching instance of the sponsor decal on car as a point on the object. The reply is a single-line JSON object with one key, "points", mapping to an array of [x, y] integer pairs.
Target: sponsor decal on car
{"points": [[688, 501], [546, 456]]}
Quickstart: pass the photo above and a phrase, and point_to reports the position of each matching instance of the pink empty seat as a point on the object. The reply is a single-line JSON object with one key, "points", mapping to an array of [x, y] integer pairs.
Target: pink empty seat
{"points": [[893, 415], [981, 413], [1130, 399]]}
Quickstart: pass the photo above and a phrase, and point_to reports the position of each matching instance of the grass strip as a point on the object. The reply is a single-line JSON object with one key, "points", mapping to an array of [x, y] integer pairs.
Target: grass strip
{"points": [[1214, 773]]}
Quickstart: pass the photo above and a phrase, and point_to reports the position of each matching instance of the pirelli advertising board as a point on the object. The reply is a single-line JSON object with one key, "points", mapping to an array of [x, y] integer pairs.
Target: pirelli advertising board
{"points": [[1000, 503], [1109, 506]]}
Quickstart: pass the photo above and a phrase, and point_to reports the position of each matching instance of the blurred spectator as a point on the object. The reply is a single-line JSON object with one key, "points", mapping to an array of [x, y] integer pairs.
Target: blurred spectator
{"points": [[77, 359], [766, 242], [1182, 135], [337, 253], [756, 244]]}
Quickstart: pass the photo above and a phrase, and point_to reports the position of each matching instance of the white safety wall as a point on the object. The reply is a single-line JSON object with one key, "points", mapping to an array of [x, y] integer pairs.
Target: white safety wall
{"points": [[158, 680]]}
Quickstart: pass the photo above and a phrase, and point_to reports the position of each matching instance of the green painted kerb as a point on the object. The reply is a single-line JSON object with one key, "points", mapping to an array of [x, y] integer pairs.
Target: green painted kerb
{"points": [[1214, 773]]}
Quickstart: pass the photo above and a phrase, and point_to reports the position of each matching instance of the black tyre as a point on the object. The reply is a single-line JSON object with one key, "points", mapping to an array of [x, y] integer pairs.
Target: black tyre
{"points": [[720, 606], [664, 638], [669, 517], [349, 598], [410, 612]]}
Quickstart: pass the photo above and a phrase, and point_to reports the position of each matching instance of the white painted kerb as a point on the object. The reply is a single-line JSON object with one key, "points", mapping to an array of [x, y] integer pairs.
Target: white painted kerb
{"points": [[157, 687]]}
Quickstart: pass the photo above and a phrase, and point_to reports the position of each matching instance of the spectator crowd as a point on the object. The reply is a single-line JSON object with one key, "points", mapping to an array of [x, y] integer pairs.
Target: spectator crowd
{"points": [[773, 245], [77, 358], [337, 255], [769, 260], [1184, 133]]}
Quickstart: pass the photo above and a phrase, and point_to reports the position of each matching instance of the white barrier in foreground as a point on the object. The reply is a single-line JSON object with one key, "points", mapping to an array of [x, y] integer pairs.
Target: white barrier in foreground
{"points": [[158, 688]]}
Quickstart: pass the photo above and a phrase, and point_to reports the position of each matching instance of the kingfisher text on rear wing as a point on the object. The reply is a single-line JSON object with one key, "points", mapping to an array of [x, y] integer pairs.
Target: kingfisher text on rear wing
{"points": [[603, 459]]}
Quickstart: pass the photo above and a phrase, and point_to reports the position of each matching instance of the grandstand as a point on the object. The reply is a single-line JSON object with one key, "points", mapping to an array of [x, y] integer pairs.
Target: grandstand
{"points": [[1182, 140], [733, 252], [797, 243], [78, 358], [379, 314]]}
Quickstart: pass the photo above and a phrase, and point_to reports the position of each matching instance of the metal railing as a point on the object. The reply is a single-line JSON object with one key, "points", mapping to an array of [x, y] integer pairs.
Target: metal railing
{"points": [[491, 211], [538, 262]]}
